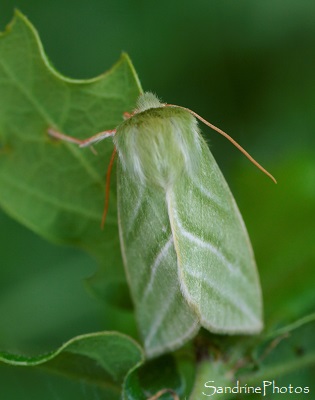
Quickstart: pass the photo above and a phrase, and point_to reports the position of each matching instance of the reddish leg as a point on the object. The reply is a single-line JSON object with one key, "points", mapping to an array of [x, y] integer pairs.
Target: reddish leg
{"points": [[88, 142], [82, 143]]}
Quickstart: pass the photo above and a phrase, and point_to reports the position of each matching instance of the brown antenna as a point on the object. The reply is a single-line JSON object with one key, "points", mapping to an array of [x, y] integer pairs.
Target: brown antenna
{"points": [[229, 138]]}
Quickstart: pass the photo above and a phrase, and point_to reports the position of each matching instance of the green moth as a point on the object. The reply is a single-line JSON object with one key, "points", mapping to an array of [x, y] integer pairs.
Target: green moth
{"points": [[187, 255]]}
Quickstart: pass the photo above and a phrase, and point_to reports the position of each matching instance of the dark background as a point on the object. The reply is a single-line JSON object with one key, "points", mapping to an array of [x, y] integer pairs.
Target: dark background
{"points": [[248, 67]]}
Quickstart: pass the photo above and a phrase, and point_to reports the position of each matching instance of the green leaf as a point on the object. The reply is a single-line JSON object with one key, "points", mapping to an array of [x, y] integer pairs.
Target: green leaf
{"points": [[42, 299], [97, 362], [57, 189], [170, 372]]}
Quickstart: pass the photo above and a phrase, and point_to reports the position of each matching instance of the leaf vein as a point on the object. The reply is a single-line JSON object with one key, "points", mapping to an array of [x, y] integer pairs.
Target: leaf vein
{"points": [[50, 200]]}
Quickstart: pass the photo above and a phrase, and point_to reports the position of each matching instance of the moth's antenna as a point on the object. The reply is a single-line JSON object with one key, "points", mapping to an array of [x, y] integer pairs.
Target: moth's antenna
{"points": [[230, 139], [107, 187]]}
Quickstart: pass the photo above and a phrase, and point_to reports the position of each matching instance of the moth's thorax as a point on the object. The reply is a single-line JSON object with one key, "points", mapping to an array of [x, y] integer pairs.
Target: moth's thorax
{"points": [[156, 145]]}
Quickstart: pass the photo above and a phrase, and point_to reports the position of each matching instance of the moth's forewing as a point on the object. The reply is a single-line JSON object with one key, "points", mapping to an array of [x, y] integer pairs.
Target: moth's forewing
{"points": [[164, 317], [216, 264]]}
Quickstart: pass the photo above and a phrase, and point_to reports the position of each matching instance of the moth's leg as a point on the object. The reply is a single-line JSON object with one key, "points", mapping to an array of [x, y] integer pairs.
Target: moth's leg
{"points": [[82, 142]]}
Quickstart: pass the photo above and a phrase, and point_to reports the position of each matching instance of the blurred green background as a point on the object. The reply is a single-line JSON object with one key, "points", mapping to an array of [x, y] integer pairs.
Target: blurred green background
{"points": [[246, 66]]}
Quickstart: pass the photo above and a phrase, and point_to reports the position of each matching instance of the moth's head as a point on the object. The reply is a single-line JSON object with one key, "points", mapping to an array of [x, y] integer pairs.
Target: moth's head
{"points": [[146, 101]]}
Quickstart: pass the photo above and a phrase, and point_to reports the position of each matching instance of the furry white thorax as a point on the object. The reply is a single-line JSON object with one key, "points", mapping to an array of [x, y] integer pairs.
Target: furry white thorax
{"points": [[158, 143]]}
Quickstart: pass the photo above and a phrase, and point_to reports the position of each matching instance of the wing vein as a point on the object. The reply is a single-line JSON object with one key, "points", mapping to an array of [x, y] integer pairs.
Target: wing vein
{"points": [[195, 239], [236, 302], [160, 317], [156, 263]]}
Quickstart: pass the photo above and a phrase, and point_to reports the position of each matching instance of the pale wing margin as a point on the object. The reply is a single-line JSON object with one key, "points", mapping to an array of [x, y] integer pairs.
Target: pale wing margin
{"points": [[216, 265], [164, 318]]}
